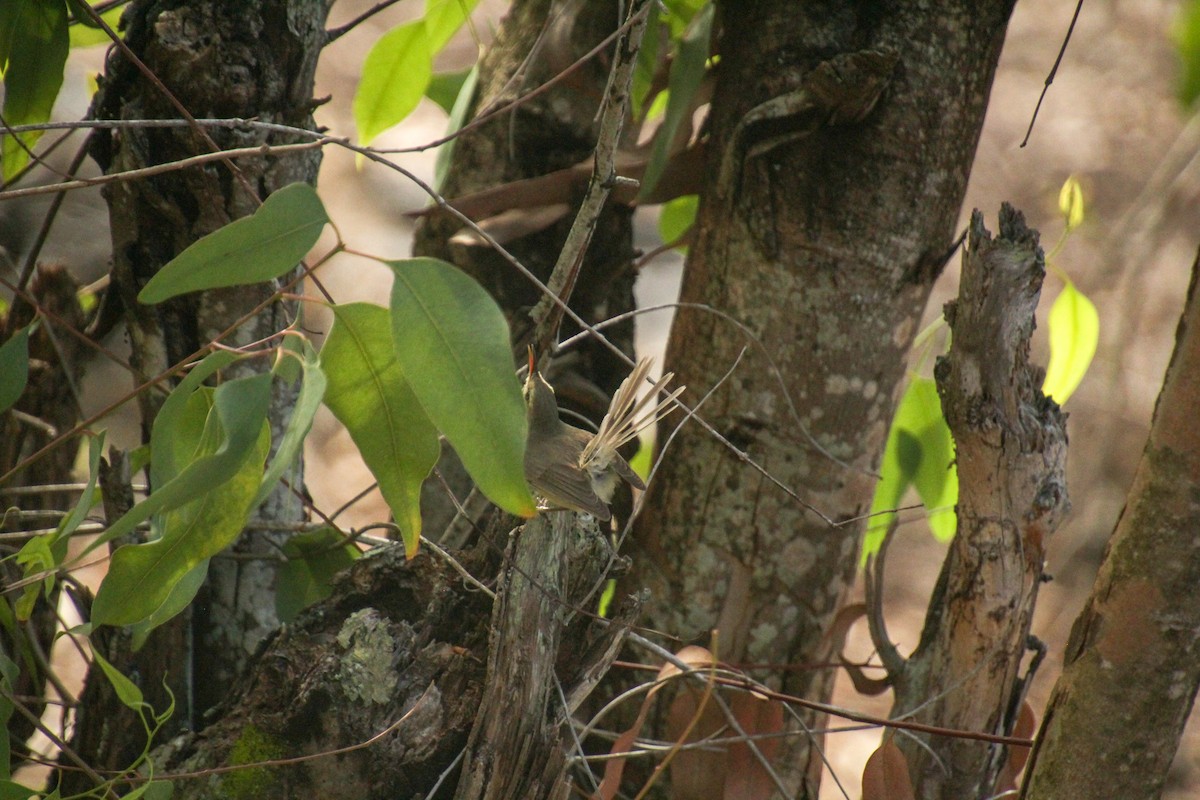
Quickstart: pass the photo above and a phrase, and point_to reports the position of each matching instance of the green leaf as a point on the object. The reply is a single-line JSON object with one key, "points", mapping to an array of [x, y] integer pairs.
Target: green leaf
{"points": [[1074, 328], [11, 790], [14, 368], [453, 342], [445, 87], [241, 407], [87, 498], [677, 218], [919, 452], [394, 76], [180, 596], [165, 440], [647, 64], [312, 389], [1186, 33], [314, 558], [159, 790], [1070, 203], [33, 51], [370, 394], [443, 18], [253, 249], [152, 790], [141, 577], [127, 691], [687, 73], [458, 116], [86, 33]]}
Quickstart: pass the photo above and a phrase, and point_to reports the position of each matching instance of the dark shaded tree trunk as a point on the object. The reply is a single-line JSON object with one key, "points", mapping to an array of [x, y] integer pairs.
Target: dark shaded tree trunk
{"points": [[1132, 665], [822, 227]]}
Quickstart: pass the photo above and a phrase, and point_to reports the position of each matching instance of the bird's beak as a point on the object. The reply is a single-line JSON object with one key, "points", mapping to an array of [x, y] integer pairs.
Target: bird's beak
{"points": [[532, 362]]}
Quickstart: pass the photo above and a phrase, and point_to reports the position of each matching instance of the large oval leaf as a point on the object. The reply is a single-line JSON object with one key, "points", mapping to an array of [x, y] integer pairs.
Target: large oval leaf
{"points": [[453, 343], [141, 577], [241, 411], [369, 394], [1074, 329], [253, 249]]}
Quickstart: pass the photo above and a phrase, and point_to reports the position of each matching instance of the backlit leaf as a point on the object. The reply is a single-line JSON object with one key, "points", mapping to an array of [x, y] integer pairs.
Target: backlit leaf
{"points": [[443, 18], [1070, 202], [253, 249], [1074, 330], [370, 394], [1186, 33], [394, 76], [240, 411], [677, 218], [33, 51], [919, 452], [453, 342]]}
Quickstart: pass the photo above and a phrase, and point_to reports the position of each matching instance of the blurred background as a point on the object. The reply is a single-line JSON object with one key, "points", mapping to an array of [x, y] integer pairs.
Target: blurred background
{"points": [[1112, 118]]}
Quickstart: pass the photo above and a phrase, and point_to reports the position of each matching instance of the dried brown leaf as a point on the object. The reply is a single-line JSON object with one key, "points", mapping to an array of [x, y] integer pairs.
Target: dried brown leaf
{"points": [[885, 777]]}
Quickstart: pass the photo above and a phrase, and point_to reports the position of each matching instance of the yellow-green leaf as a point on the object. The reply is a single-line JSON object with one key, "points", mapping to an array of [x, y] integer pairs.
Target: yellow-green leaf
{"points": [[919, 453], [33, 52], [443, 18], [395, 74], [677, 218], [1070, 203], [1074, 329], [127, 691]]}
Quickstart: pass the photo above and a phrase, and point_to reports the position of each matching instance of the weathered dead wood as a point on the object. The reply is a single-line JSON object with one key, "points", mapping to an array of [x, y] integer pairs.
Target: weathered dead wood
{"points": [[1010, 443], [518, 747]]}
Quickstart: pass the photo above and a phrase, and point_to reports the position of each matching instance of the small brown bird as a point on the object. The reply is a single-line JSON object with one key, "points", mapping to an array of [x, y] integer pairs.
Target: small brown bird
{"points": [[573, 469]]}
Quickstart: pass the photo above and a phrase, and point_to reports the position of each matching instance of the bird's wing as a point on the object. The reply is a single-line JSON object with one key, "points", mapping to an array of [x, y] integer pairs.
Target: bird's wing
{"points": [[564, 485]]}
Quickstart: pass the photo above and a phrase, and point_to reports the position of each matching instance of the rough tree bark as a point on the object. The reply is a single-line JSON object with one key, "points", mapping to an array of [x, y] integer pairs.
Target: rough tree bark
{"points": [[1132, 664], [822, 228], [1010, 450], [215, 60]]}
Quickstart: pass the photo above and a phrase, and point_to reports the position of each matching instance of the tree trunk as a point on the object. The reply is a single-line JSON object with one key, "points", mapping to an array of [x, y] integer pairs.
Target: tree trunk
{"points": [[823, 224], [216, 60], [1132, 664]]}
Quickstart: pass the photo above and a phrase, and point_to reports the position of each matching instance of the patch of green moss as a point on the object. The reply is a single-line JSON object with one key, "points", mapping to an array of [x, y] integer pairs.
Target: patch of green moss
{"points": [[252, 747]]}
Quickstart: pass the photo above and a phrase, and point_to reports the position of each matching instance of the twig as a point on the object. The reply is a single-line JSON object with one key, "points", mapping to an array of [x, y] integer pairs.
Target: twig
{"points": [[158, 169], [333, 34], [1053, 71], [548, 313]]}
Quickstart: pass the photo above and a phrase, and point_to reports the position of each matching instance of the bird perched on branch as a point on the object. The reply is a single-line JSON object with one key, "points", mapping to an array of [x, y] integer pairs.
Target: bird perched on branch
{"points": [[571, 468]]}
